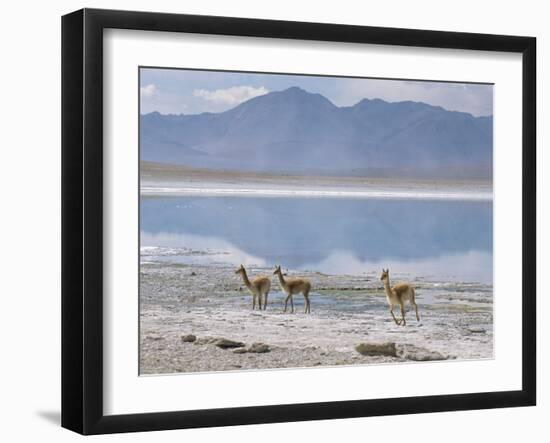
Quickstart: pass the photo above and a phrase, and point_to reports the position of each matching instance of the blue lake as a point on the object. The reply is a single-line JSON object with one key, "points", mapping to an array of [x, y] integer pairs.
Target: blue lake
{"points": [[430, 238]]}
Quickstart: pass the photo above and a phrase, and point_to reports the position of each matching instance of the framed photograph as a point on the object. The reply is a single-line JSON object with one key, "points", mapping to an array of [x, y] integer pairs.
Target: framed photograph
{"points": [[269, 221]]}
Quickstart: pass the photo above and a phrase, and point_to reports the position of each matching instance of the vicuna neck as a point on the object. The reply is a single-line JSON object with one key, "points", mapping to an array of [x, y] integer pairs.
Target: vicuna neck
{"points": [[387, 285], [245, 279], [281, 279]]}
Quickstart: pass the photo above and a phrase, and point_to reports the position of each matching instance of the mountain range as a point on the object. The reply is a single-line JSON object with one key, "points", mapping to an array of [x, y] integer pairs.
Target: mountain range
{"points": [[298, 132]]}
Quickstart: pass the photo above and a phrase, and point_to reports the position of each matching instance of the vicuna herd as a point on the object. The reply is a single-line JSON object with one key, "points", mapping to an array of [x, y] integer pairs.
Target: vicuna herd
{"points": [[259, 287]]}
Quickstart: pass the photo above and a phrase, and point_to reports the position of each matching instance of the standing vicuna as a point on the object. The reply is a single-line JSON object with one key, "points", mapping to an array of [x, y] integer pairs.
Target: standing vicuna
{"points": [[259, 287], [294, 286], [399, 294]]}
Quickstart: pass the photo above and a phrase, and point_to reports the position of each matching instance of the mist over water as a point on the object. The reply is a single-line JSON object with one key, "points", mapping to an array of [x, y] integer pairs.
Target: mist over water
{"points": [[338, 236]]}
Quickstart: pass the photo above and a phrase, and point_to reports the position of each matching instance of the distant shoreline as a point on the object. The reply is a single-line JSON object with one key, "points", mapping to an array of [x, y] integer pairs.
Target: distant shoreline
{"points": [[159, 179]]}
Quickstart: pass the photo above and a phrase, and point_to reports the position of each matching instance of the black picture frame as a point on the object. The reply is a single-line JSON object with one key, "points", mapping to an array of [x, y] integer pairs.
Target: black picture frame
{"points": [[82, 220]]}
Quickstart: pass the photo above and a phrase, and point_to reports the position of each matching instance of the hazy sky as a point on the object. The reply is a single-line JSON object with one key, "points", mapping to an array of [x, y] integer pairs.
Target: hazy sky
{"points": [[171, 91]]}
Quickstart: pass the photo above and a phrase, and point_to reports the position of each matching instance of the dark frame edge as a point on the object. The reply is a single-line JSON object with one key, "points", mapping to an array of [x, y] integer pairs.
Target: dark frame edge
{"points": [[294, 30], [82, 223], [529, 220], [72, 225], [172, 420]]}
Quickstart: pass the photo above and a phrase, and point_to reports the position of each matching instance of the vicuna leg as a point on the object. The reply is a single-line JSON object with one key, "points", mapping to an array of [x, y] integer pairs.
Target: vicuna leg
{"points": [[413, 302], [403, 313], [289, 296], [265, 300], [306, 298], [260, 301], [393, 315], [416, 310]]}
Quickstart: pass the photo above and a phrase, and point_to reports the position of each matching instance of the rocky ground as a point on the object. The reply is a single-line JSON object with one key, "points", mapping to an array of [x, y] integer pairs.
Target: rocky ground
{"points": [[196, 318]]}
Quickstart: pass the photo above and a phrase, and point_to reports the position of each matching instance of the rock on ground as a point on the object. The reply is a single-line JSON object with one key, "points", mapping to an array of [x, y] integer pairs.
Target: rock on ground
{"points": [[373, 349], [416, 353], [225, 343], [259, 348]]}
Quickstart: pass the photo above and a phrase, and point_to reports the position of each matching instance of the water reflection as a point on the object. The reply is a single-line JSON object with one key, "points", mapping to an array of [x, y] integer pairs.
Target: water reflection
{"points": [[468, 266], [329, 235]]}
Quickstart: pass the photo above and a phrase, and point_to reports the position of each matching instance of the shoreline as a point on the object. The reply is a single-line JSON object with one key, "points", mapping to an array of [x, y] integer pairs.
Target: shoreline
{"points": [[213, 190], [165, 180]]}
